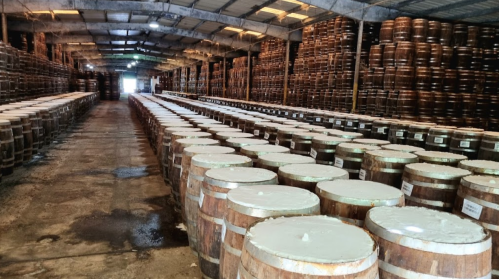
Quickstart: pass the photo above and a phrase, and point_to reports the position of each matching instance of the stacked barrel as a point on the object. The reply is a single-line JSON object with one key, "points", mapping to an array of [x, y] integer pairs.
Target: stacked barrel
{"points": [[202, 81], [217, 80], [193, 79], [238, 78], [176, 79], [184, 77]]}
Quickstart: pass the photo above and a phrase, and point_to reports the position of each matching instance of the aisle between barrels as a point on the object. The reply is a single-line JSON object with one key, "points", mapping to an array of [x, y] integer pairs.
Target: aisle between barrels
{"points": [[94, 205]]}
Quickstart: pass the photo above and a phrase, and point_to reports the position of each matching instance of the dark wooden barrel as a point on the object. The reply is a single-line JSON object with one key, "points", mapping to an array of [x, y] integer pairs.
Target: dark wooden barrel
{"points": [[302, 142], [350, 200], [249, 127], [166, 147], [365, 126], [212, 208], [404, 54], [35, 120], [402, 29], [404, 78], [270, 132], [324, 148], [489, 147], [447, 57], [466, 142], [385, 166], [473, 34], [440, 158], [417, 134], [376, 56], [398, 132], [460, 35], [431, 186], [47, 125], [435, 239], [435, 55], [480, 167], [299, 243], [285, 134], [17, 130], [7, 146], [389, 55], [426, 103], [381, 128], [27, 133], [437, 79], [406, 103], [422, 54], [245, 206], [389, 78], [386, 32], [306, 176], [464, 56], [446, 33], [420, 28], [402, 148], [434, 30], [348, 156], [352, 123]]}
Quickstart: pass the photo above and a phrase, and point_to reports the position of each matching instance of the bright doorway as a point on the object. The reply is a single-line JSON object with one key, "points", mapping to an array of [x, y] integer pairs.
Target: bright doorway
{"points": [[130, 85]]}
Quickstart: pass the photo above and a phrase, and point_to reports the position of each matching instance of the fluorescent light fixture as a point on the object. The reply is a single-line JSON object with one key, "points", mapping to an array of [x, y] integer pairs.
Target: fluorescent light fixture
{"points": [[128, 66], [298, 16], [153, 24], [228, 28], [271, 10], [88, 65], [293, 1], [88, 44], [41, 12], [91, 67], [73, 43], [60, 12], [136, 57], [133, 63], [253, 33]]}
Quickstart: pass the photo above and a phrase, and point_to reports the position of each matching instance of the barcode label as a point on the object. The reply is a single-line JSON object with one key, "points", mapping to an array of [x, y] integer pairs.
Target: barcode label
{"points": [[399, 134], [331, 120], [294, 115], [301, 115], [381, 130], [472, 209], [438, 140], [313, 153], [362, 175], [231, 124], [407, 188], [338, 162], [362, 125], [256, 132], [418, 136], [338, 122], [286, 113], [317, 119], [496, 146], [224, 231], [201, 198], [349, 123], [292, 145], [277, 142], [266, 135], [465, 144]]}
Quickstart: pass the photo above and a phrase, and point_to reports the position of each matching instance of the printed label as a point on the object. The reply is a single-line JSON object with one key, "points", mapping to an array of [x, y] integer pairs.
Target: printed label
{"points": [[331, 120], [266, 135], [338, 122], [496, 146], [399, 134], [292, 145], [350, 123], [286, 113], [301, 115], [465, 144], [313, 153], [338, 162], [224, 231], [362, 175], [256, 132], [201, 198], [381, 130], [317, 119], [294, 115], [472, 209], [418, 136], [231, 124], [238, 276], [407, 188], [438, 140], [277, 142], [362, 125]]}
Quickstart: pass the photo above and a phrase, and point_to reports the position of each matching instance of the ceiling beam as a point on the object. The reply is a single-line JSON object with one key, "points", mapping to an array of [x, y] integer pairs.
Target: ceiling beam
{"points": [[456, 4], [476, 13], [286, 13]]}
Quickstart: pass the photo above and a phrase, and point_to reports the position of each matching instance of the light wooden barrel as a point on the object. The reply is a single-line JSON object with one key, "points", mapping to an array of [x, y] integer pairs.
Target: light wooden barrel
{"points": [[237, 143], [273, 161], [374, 142], [324, 148], [224, 136], [161, 134], [466, 142], [312, 247], [307, 176], [349, 157], [350, 200], [199, 165], [285, 134], [416, 242], [212, 207], [301, 142], [489, 148], [249, 204], [254, 151], [385, 166], [480, 167], [431, 186], [165, 148], [438, 138], [402, 148], [478, 199], [440, 158]]}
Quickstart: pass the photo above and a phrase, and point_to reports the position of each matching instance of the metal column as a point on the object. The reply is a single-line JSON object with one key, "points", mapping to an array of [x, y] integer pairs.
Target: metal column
{"points": [[286, 73], [5, 37], [357, 66], [224, 78], [248, 76]]}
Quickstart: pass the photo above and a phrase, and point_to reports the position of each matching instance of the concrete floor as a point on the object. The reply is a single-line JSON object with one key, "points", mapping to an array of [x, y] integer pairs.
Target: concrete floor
{"points": [[93, 205]]}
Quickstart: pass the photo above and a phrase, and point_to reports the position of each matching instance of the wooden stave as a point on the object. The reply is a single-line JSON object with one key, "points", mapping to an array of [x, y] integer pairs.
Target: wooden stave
{"points": [[7, 147], [385, 170]]}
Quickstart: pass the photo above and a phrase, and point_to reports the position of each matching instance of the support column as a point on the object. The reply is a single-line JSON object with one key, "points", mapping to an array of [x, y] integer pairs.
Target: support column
{"points": [[286, 73], [52, 50], [5, 37], [224, 78], [357, 66], [64, 58], [208, 79], [248, 76]]}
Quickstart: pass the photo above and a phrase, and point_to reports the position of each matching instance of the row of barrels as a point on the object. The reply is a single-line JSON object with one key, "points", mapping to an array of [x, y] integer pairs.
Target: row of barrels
{"points": [[227, 236]]}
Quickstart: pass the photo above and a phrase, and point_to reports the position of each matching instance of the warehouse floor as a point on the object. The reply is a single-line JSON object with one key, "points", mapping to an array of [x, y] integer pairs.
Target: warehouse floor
{"points": [[93, 205]]}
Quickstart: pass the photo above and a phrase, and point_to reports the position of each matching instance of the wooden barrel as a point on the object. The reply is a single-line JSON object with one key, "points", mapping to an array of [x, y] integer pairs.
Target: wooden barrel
{"points": [[212, 208], [380, 129], [417, 134], [441, 245], [365, 126], [206, 127], [196, 122], [446, 33], [422, 79], [464, 55], [388, 56], [350, 200], [398, 132], [419, 30], [440, 158], [434, 30], [404, 54], [439, 138], [237, 143], [373, 142], [489, 147], [301, 142], [386, 32], [352, 123], [345, 135], [447, 57], [431, 186], [480, 167], [402, 148], [261, 130], [404, 78], [273, 161], [26, 132], [200, 163], [435, 55], [466, 142], [349, 156], [298, 242], [7, 146], [477, 199], [324, 148], [165, 147], [249, 204], [285, 134], [376, 56], [17, 130], [385, 166], [306, 176], [402, 29], [460, 35], [217, 130], [224, 136], [35, 129], [255, 151]]}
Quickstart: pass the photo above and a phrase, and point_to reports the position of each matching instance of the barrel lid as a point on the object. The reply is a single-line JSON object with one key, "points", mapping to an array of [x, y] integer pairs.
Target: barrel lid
{"points": [[359, 192], [30, 112], [443, 128], [392, 154], [182, 129], [344, 134], [435, 171], [482, 183], [280, 199], [306, 135], [197, 117], [4, 122], [219, 130], [239, 175], [212, 121], [166, 124], [281, 159], [289, 130], [423, 224], [329, 140], [480, 166], [10, 117], [494, 135], [309, 239], [198, 141], [269, 124], [17, 113], [468, 132], [385, 121], [402, 148], [353, 117], [310, 127], [207, 149], [263, 149], [192, 134], [447, 156], [245, 141], [212, 125], [234, 135], [475, 130], [313, 172], [356, 147], [257, 120], [220, 160]]}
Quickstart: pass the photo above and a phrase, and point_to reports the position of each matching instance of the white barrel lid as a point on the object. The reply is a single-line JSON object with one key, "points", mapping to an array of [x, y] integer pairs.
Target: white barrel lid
{"points": [[240, 175], [359, 192]]}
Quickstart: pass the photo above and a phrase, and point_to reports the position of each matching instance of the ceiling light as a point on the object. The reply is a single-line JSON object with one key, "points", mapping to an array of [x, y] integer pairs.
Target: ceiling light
{"points": [[88, 65], [136, 57], [154, 24], [133, 63], [298, 16], [66, 12], [253, 33], [88, 44], [41, 12], [228, 28], [73, 43], [128, 66], [271, 10], [91, 67]]}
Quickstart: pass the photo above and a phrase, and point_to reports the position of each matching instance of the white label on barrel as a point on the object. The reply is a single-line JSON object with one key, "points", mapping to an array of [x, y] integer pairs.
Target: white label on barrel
{"points": [[407, 188], [362, 175], [313, 153], [231, 124], [399, 134], [438, 140], [256, 132], [201, 198], [292, 145], [381, 130], [338, 162], [496, 146], [286, 113], [331, 120], [472, 209], [277, 142], [418, 136], [317, 119], [224, 230], [338, 122], [266, 135], [301, 115], [362, 125], [464, 144], [294, 115], [349, 123]]}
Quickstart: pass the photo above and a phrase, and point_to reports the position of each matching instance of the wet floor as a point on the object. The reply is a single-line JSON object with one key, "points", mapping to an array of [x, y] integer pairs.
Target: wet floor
{"points": [[93, 205]]}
